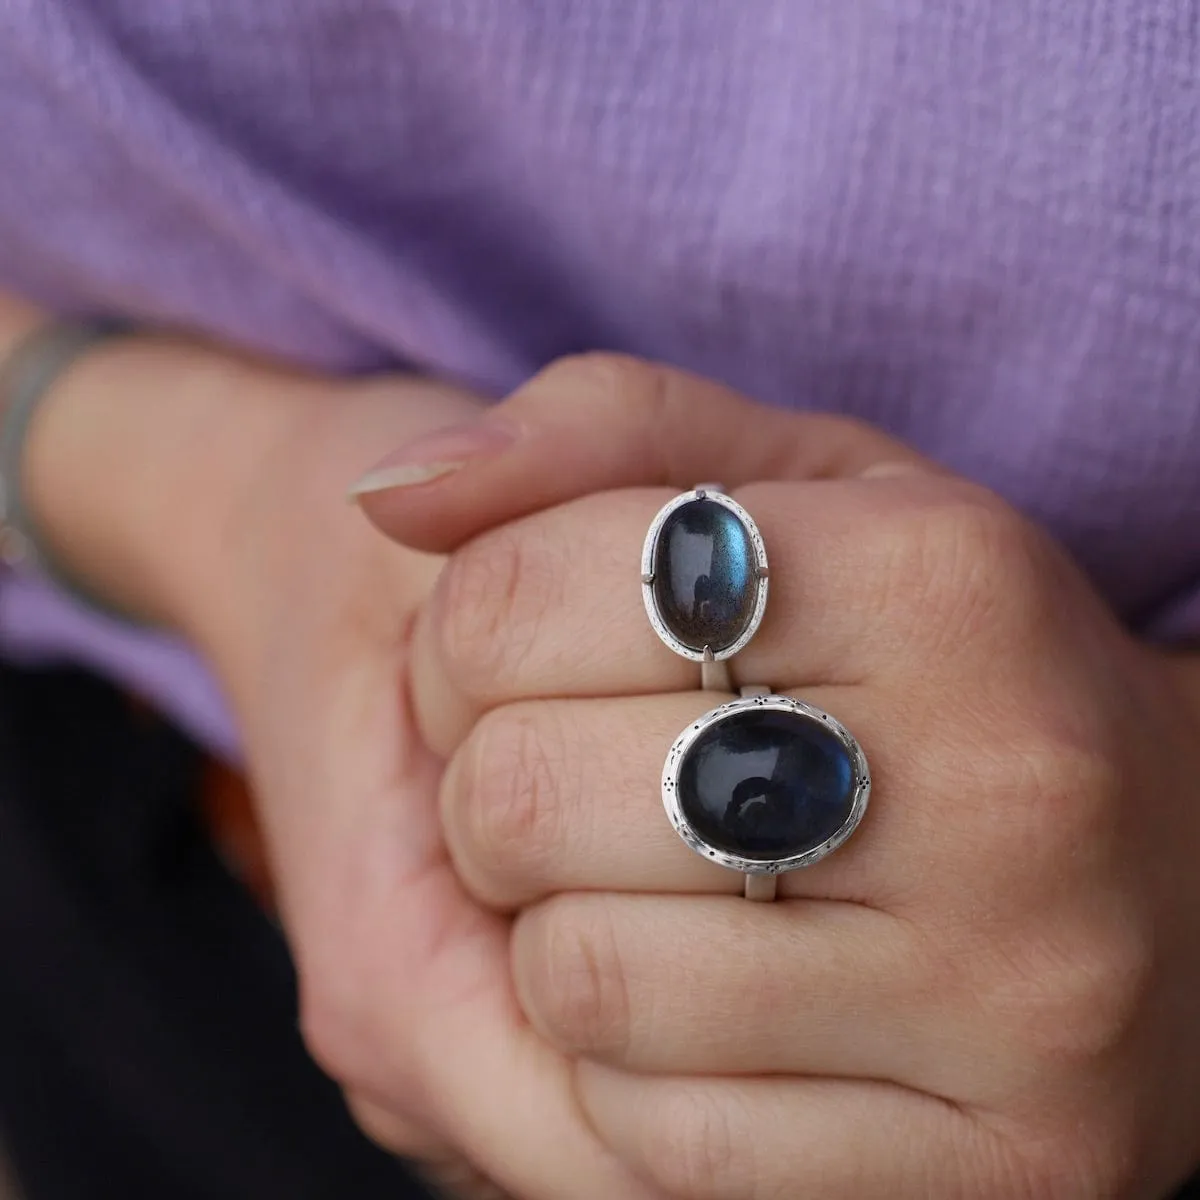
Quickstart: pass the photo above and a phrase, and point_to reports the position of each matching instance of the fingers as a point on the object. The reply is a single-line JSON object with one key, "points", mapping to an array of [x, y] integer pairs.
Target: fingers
{"points": [[600, 422], [712, 1139], [720, 986], [550, 605], [405, 992], [509, 1099], [556, 796], [448, 1043], [867, 578]]}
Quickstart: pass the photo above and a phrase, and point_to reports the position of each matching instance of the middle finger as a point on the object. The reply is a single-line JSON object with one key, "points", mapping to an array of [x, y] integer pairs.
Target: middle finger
{"points": [[551, 605], [565, 795]]}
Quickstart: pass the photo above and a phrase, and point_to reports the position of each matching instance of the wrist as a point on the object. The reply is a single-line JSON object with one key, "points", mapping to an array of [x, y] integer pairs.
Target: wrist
{"points": [[292, 531], [131, 459], [154, 455]]}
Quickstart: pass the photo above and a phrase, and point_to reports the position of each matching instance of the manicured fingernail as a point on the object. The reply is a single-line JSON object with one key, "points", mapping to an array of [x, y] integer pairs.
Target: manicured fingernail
{"points": [[434, 455]]}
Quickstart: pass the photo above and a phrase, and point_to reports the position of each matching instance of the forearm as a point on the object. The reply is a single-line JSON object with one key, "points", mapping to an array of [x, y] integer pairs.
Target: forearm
{"points": [[134, 459], [140, 464]]}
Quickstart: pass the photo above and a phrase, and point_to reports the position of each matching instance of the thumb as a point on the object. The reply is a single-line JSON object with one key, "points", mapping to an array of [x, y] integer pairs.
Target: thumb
{"points": [[599, 422]]}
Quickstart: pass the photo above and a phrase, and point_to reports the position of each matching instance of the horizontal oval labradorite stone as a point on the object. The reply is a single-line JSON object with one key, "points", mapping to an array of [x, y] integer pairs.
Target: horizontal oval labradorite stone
{"points": [[705, 575], [765, 783]]}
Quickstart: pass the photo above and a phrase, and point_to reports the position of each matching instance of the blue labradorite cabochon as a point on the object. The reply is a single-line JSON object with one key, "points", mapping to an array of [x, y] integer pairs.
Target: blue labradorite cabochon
{"points": [[705, 575], [766, 784]]}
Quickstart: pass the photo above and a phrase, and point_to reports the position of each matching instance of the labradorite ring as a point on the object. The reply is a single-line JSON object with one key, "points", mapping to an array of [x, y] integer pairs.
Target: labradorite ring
{"points": [[763, 784], [705, 579]]}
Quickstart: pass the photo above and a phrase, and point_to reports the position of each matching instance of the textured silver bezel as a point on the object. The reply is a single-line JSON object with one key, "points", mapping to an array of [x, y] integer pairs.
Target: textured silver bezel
{"points": [[753, 866], [760, 570]]}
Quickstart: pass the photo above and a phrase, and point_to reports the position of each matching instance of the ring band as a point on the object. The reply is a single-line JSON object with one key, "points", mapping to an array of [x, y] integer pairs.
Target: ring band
{"points": [[760, 887], [715, 675], [762, 784]]}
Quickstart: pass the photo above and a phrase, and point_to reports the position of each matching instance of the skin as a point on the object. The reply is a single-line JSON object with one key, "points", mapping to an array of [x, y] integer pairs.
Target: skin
{"points": [[986, 993], [305, 614]]}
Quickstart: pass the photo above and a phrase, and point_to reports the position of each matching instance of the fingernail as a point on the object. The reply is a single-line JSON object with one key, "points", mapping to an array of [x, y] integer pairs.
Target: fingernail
{"points": [[434, 455]]}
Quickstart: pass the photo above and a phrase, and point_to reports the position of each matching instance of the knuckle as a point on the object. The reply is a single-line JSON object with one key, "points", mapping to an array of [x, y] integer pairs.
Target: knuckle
{"points": [[1070, 799], [975, 524], [975, 560], [502, 811], [1077, 988], [625, 389], [1073, 999], [496, 594], [693, 1149], [575, 976], [603, 376], [1047, 813], [1097, 1002]]}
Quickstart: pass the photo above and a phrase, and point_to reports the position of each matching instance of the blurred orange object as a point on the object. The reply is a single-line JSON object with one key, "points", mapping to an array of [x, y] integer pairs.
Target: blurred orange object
{"points": [[228, 809]]}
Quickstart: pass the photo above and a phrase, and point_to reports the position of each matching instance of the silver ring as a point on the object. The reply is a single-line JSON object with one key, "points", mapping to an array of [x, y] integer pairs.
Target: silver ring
{"points": [[705, 579], [765, 784]]}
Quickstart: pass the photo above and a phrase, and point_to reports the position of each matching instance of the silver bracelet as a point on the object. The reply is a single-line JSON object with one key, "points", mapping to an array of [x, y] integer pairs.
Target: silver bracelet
{"points": [[26, 379]]}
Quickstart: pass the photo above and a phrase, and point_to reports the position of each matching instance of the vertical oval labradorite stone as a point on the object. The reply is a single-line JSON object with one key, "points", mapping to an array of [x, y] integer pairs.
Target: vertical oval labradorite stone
{"points": [[767, 784], [705, 575]]}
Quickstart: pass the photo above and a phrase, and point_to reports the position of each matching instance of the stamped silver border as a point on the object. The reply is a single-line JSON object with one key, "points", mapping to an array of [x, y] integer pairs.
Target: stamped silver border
{"points": [[752, 866], [760, 569]]}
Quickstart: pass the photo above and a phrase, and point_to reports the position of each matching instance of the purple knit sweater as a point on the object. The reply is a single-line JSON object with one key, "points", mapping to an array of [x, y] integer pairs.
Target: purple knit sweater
{"points": [[977, 225]]}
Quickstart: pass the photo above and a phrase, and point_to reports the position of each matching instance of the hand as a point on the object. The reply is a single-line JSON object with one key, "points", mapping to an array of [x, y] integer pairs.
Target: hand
{"points": [[406, 994], [989, 992], [306, 614]]}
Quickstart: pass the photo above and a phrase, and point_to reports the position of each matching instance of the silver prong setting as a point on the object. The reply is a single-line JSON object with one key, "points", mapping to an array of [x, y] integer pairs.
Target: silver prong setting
{"points": [[759, 569]]}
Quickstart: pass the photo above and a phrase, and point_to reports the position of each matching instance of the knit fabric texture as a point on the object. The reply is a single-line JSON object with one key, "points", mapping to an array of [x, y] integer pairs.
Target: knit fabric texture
{"points": [[975, 225]]}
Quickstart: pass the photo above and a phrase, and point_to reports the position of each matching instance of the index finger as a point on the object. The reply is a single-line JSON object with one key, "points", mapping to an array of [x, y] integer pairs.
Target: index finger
{"points": [[551, 605], [601, 422]]}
